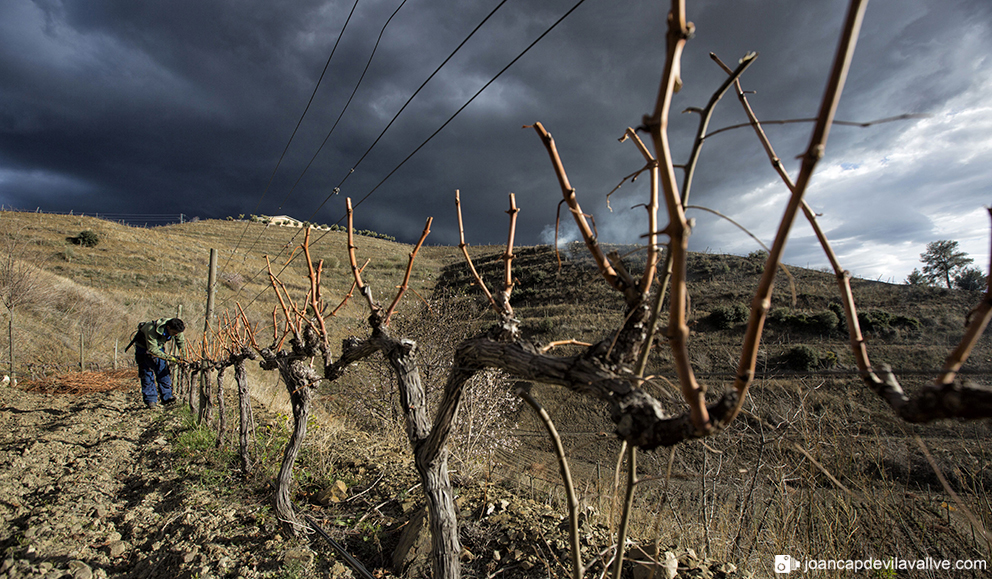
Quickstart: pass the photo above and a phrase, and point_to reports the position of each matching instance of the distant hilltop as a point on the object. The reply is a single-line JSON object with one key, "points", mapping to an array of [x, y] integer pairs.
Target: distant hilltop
{"points": [[287, 221]]}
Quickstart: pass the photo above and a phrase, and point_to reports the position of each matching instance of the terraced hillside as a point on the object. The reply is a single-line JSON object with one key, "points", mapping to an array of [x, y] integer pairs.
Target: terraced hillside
{"points": [[816, 466]]}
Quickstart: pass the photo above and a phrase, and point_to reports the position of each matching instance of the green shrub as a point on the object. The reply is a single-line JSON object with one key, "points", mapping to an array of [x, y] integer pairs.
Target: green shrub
{"points": [[907, 322], [545, 326], [85, 238], [373, 234], [824, 321], [725, 317], [801, 358], [838, 309], [707, 266], [970, 278], [821, 322], [883, 323], [779, 316]]}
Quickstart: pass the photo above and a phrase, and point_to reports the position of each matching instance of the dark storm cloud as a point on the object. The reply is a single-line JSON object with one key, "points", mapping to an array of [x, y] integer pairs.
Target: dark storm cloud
{"points": [[185, 107]]}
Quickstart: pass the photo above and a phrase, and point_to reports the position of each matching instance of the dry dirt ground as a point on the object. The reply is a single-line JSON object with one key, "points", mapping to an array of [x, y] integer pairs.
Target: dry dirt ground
{"points": [[87, 489], [90, 487]]}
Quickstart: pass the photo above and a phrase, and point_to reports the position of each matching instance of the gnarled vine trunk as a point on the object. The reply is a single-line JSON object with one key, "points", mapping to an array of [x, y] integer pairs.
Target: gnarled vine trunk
{"points": [[300, 379], [431, 461], [246, 422]]}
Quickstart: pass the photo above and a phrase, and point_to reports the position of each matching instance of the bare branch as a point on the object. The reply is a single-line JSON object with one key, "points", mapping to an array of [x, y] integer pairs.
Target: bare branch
{"points": [[409, 269], [976, 524], [628, 503], [678, 227], [704, 121], [978, 319], [351, 291], [508, 259], [689, 172], [277, 285], [843, 277], [362, 288], [313, 274], [464, 247], [864, 124], [523, 390], [943, 399], [580, 218], [762, 298], [275, 326], [644, 285], [552, 345], [822, 468], [632, 178]]}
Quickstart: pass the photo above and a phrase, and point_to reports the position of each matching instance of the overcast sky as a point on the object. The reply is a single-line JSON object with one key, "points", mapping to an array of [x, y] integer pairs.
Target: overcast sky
{"points": [[138, 107]]}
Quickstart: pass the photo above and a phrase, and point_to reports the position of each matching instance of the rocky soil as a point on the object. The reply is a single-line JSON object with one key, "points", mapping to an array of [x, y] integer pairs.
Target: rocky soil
{"points": [[88, 489], [91, 487]]}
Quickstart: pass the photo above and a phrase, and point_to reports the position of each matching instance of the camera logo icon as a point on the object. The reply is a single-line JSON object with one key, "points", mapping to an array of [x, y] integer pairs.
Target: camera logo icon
{"points": [[785, 564]]}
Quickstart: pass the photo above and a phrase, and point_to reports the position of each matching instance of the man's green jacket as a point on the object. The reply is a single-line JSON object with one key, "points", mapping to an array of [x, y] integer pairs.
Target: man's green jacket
{"points": [[154, 336]]}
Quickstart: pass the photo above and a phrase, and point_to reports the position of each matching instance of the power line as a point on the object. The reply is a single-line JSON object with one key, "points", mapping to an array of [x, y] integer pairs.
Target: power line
{"points": [[484, 87], [347, 104], [297, 128], [446, 123], [398, 113], [390, 124], [408, 101]]}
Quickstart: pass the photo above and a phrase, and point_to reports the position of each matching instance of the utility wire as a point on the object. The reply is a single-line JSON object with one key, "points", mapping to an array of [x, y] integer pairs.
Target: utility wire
{"points": [[434, 134], [398, 113], [292, 136], [408, 101], [484, 87], [393, 120], [347, 104]]}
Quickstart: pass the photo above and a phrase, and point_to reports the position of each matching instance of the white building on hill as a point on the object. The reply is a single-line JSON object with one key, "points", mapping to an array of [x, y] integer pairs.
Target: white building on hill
{"points": [[284, 221]]}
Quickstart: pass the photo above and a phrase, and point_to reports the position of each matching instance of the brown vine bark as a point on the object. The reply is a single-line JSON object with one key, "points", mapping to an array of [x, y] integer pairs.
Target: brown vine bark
{"points": [[431, 462], [221, 410], [246, 421], [299, 378]]}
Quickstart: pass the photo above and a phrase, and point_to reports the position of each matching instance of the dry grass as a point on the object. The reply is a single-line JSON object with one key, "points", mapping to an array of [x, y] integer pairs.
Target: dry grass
{"points": [[744, 496], [78, 383], [135, 274]]}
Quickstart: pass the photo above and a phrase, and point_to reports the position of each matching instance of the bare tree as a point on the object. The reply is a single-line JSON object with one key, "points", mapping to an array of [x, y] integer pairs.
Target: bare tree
{"points": [[19, 285], [610, 370], [242, 337], [430, 460]]}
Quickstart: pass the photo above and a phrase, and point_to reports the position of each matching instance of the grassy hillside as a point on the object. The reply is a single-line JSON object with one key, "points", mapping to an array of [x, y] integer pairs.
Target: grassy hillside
{"points": [[134, 274], [816, 465], [138, 273]]}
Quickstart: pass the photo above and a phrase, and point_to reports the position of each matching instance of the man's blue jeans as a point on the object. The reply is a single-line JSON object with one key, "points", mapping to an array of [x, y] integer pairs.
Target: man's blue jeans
{"points": [[156, 382]]}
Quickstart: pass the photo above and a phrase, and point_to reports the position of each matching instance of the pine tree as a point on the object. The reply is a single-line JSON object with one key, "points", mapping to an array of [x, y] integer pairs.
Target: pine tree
{"points": [[942, 260]]}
